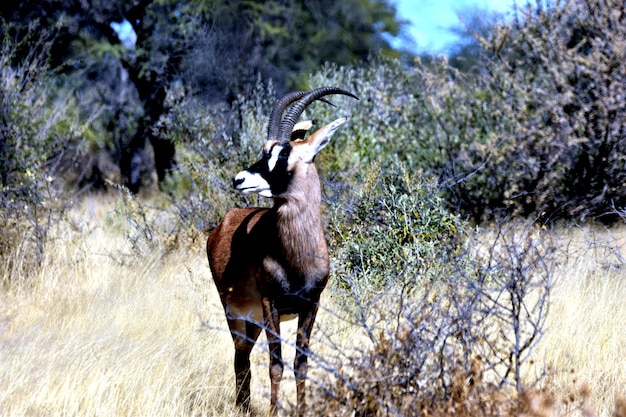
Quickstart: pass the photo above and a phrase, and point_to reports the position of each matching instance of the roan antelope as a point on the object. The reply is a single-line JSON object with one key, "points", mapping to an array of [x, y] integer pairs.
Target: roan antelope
{"points": [[271, 264]]}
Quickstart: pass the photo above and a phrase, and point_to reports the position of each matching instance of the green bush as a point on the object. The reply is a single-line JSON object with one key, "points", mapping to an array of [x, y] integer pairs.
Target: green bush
{"points": [[392, 230], [535, 130], [34, 130], [214, 144], [388, 121], [556, 78]]}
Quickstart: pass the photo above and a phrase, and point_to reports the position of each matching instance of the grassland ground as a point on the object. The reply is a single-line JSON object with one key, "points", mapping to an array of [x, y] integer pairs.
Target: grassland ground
{"points": [[583, 350], [103, 328]]}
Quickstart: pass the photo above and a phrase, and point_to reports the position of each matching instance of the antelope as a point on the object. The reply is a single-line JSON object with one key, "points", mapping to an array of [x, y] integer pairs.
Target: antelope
{"points": [[271, 264]]}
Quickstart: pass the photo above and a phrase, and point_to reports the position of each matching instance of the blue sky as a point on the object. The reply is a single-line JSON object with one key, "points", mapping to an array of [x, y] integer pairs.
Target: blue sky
{"points": [[430, 19]]}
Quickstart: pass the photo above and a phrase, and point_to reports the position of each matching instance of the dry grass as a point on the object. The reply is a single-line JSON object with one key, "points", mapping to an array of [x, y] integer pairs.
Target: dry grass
{"points": [[584, 347], [98, 331]]}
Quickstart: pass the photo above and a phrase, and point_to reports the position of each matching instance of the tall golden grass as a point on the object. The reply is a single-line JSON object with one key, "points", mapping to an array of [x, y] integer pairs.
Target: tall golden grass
{"points": [[101, 330], [584, 347], [97, 331]]}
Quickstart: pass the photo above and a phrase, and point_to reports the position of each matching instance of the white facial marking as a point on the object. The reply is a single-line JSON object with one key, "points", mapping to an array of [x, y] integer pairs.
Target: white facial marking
{"points": [[271, 163], [248, 182]]}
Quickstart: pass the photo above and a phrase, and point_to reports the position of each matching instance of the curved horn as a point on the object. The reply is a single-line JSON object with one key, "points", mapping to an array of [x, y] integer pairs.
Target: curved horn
{"points": [[280, 106], [294, 112], [273, 126]]}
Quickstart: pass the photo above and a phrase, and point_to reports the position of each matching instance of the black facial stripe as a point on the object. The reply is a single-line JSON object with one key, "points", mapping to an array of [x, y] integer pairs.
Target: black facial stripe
{"points": [[259, 167], [279, 177], [283, 154]]}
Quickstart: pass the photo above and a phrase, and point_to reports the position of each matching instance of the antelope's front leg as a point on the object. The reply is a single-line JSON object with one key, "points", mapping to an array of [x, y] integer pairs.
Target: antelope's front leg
{"points": [[300, 366], [244, 335], [272, 329]]}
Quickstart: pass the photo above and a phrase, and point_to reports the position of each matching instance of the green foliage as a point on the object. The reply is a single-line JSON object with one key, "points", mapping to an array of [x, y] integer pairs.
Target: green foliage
{"points": [[533, 130], [218, 142], [432, 118], [391, 231], [385, 121], [558, 80], [33, 132]]}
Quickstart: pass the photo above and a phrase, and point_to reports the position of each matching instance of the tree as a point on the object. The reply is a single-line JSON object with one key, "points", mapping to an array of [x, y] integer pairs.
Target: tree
{"points": [[84, 44], [211, 48], [555, 77]]}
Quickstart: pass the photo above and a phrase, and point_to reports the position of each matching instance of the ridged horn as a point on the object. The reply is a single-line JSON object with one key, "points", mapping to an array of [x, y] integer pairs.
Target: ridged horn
{"points": [[296, 110], [273, 126]]}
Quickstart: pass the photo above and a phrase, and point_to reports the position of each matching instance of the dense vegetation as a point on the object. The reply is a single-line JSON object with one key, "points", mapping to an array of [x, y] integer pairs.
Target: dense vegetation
{"points": [[532, 130], [132, 62]]}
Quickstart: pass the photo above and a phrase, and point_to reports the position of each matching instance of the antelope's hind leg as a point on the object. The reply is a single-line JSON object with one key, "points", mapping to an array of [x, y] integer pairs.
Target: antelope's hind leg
{"points": [[245, 334]]}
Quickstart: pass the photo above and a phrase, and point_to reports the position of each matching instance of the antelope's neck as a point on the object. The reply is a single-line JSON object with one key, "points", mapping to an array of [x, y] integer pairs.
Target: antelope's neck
{"points": [[299, 222]]}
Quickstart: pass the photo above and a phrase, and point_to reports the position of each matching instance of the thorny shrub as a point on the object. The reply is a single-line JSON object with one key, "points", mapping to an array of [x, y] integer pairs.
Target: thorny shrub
{"points": [[555, 78], [33, 133], [456, 343]]}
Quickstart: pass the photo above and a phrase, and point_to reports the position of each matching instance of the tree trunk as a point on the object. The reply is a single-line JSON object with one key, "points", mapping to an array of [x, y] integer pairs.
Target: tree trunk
{"points": [[152, 94]]}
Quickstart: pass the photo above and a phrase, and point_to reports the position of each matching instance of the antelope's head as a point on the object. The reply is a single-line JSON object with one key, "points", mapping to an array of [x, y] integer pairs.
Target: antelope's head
{"points": [[286, 149]]}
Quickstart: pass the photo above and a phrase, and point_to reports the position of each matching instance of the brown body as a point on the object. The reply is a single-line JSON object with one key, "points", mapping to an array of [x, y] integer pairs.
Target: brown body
{"points": [[272, 263], [287, 271]]}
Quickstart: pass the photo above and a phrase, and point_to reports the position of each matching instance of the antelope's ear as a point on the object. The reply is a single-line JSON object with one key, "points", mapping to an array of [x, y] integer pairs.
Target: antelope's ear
{"points": [[299, 130], [318, 140]]}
